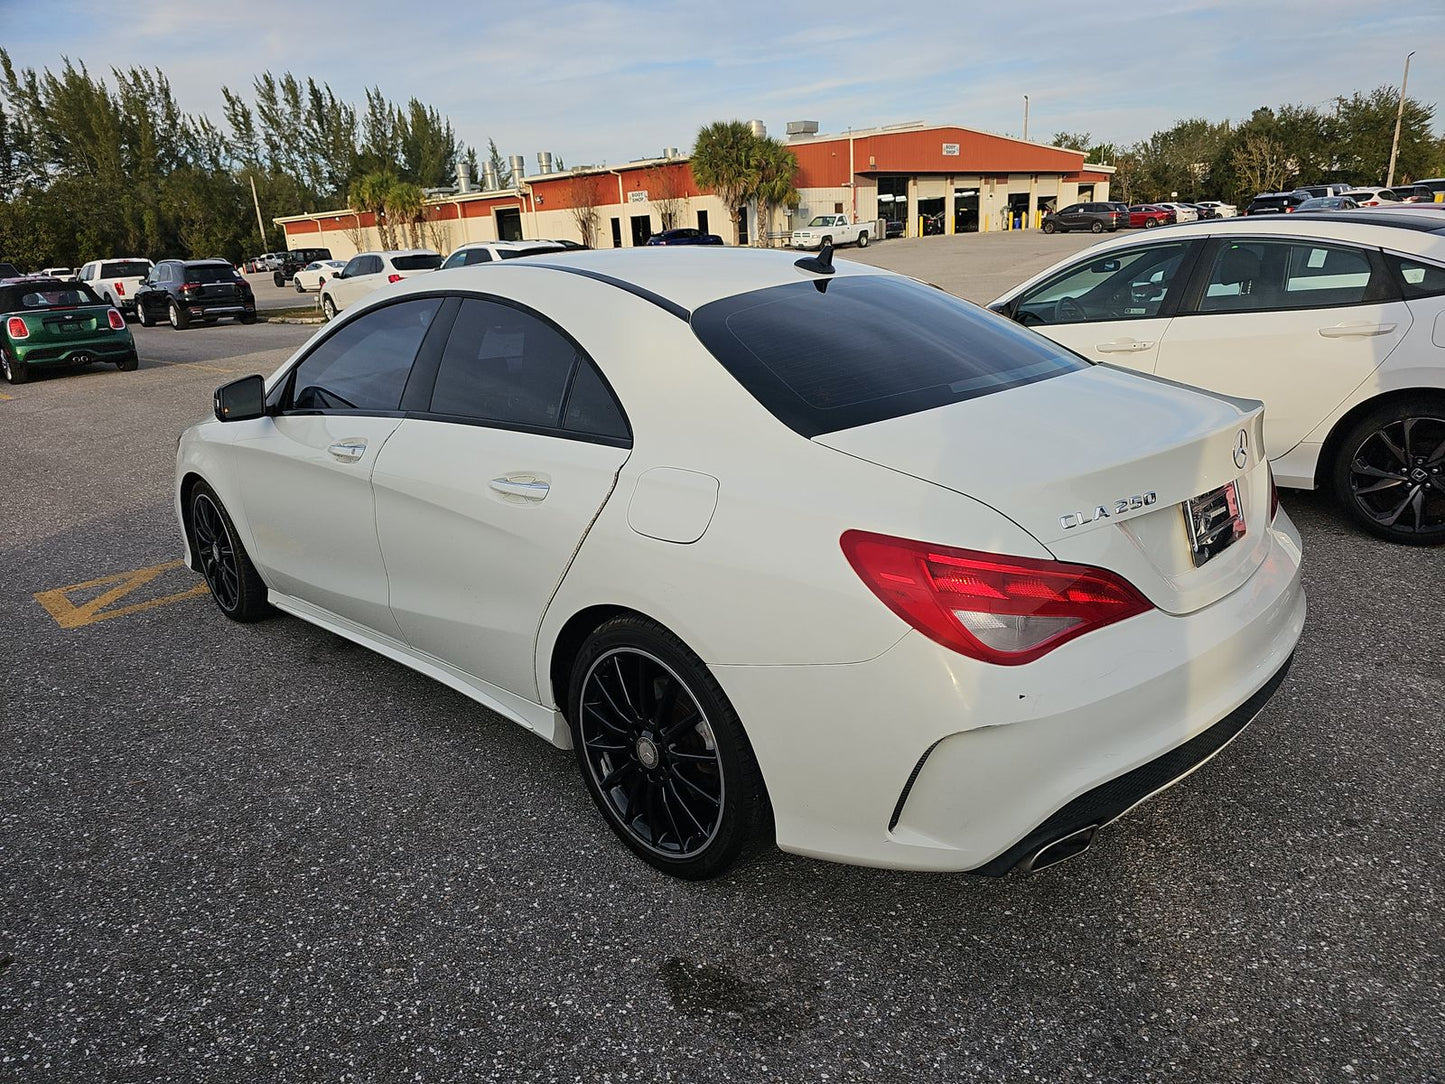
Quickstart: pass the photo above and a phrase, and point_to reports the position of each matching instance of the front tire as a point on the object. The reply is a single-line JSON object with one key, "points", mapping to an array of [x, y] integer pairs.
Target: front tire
{"points": [[1050, 227], [234, 582], [662, 752], [299, 288], [1389, 472], [328, 307], [863, 239], [141, 315]]}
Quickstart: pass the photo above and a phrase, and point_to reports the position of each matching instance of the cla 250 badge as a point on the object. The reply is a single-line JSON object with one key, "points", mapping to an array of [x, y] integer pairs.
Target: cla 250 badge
{"points": [[1101, 511]]}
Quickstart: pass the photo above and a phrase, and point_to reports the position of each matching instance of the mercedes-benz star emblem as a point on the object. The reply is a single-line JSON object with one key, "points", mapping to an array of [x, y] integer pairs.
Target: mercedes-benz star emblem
{"points": [[1241, 449]]}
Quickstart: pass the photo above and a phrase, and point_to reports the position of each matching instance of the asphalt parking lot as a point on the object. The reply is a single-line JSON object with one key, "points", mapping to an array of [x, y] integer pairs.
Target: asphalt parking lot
{"points": [[262, 853]]}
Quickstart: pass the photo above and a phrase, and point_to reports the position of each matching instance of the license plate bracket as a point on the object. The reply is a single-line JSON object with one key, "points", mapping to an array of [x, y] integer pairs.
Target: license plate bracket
{"points": [[1214, 521]]}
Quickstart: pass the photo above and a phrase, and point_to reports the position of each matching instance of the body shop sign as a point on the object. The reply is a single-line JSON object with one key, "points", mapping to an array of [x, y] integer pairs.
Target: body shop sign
{"points": [[950, 150], [640, 196]]}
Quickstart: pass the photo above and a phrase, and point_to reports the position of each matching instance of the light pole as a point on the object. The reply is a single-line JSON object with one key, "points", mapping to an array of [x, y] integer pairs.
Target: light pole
{"points": [[1026, 118], [1399, 116]]}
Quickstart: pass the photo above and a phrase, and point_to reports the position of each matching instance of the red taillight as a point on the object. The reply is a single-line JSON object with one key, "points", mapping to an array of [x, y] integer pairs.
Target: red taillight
{"points": [[16, 328], [119, 289], [190, 287], [393, 277], [1005, 610], [117, 321]]}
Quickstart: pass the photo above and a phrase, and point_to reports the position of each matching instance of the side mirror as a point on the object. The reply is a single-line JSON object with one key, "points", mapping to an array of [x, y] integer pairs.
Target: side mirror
{"points": [[241, 400]]}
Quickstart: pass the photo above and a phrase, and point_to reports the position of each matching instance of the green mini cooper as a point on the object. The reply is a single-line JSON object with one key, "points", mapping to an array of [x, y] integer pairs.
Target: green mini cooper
{"points": [[49, 324]]}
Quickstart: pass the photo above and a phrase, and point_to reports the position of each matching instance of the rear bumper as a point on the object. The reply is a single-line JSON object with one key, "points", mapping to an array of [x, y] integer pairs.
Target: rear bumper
{"points": [[79, 353], [924, 759]]}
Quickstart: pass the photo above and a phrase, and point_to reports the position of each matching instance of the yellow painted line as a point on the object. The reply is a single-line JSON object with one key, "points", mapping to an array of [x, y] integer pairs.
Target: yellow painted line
{"points": [[7, 398], [207, 368], [69, 614]]}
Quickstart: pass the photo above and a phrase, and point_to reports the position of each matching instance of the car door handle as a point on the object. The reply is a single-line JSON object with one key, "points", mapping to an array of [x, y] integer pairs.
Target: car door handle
{"points": [[1344, 331], [534, 490], [1123, 346], [349, 450]]}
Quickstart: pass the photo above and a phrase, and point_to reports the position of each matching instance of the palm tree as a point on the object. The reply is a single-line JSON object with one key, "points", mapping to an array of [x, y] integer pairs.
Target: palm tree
{"points": [[773, 170], [722, 161], [369, 193], [406, 206]]}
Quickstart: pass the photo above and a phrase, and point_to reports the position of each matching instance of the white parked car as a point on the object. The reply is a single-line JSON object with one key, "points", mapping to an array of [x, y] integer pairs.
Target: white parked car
{"points": [[366, 271], [310, 277], [61, 273], [115, 281], [1373, 197], [1183, 212], [495, 251], [753, 538], [1333, 320], [831, 230], [1220, 208]]}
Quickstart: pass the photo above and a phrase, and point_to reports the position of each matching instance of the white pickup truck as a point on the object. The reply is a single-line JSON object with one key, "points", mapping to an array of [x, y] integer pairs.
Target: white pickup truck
{"points": [[831, 229]]}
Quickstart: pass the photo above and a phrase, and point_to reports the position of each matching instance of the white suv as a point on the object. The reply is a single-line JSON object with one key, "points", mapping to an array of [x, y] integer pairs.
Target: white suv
{"points": [[489, 251], [115, 281], [1334, 320], [366, 271]]}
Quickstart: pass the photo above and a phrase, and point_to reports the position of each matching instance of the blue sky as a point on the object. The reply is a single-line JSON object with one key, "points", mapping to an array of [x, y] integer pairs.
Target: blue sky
{"points": [[595, 81]]}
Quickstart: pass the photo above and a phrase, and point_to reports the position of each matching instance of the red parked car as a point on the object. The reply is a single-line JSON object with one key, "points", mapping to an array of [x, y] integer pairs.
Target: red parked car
{"points": [[1148, 215]]}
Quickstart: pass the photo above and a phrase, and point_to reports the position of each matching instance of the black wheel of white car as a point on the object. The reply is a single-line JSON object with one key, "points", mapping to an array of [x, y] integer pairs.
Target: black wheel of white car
{"points": [[234, 582], [662, 752], [825, 241], [1390, 472], [863, 239], [299, 288], [328, 308]]}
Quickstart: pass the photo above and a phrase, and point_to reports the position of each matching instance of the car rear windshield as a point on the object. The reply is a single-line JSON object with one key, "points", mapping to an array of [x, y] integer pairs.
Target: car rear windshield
{"points": [[125, 269], [211, 273], [426, 262], [828, 355], [514, 253], [45, 295]]}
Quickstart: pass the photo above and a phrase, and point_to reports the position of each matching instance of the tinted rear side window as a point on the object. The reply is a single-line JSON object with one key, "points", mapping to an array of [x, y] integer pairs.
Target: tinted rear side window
{"points": [[868, 348], [416, 263]]}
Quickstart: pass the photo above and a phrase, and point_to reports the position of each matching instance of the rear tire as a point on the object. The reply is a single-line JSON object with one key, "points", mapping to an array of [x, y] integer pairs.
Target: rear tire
{"points": [[279, 279], [179, 319], [863, 239], [1096, 227], [683, 790], [130, 363], [248, 318], [1389, 472], [233, 580], [1150, 223], [15, 370]]}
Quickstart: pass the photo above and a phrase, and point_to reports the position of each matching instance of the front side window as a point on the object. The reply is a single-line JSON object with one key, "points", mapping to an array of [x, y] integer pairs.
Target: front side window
{"points": [[1254, 276], [354, 267], [1126, 284], [867, 348], [365, 363], [503, 365]]}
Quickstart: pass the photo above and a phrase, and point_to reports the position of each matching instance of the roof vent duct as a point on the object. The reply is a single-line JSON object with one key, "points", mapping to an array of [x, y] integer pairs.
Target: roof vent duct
{"points": [[519, 167], [801, 129], [759, 129], [464, 178], [544, 161]]}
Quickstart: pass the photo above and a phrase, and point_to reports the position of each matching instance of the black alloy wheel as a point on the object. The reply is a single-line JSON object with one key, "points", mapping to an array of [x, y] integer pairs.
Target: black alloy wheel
{"points": [[1096, 226], [232, 578], [178, 318], [14, 370], [1050, 226], [1390, 473], [662, 751]]}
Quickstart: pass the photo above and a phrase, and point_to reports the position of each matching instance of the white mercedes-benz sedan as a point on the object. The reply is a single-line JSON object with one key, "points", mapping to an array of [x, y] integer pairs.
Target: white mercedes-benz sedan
{"points": [[1336, 321], [782, 549]]}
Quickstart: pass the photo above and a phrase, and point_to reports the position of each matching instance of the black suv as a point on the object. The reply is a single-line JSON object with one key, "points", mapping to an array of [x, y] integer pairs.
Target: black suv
{"points": [[1277, 203], [295, 260], [184, 290]]}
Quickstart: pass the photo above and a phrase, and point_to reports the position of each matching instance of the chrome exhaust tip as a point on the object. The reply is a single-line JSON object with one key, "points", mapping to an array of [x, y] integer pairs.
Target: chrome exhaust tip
{"points": [[1060, 850]]}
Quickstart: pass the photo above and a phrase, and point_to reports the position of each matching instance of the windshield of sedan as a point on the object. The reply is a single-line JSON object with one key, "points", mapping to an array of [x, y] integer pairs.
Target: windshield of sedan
{"points": [[836, 354]]}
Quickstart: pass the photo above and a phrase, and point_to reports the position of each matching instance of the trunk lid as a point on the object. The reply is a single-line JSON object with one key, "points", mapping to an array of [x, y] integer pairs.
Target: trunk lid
{"points": [[1098, 466], [64, 325]]}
